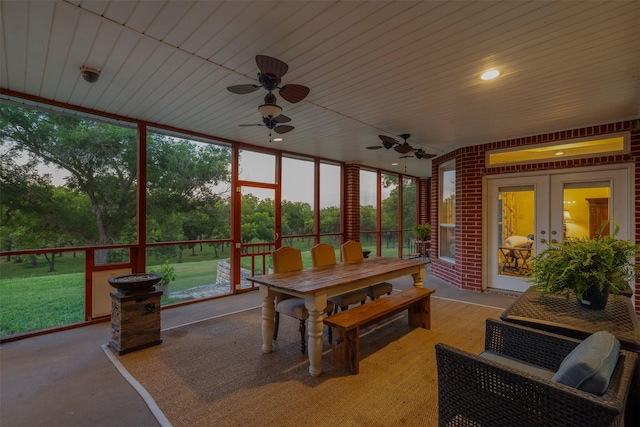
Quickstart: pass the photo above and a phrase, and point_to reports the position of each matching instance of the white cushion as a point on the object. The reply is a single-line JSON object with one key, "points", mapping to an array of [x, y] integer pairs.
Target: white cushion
{"points": [[518, 242]]}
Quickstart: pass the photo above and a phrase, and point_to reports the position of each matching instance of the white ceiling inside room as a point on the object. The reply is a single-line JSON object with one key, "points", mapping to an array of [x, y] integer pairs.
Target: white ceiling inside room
{"points": [[373, 67]]}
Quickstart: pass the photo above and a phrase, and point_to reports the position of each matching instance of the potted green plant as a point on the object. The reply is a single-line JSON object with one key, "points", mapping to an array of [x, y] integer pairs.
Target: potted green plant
{"points": [[589, 268], [422, 231], [168, 276]]}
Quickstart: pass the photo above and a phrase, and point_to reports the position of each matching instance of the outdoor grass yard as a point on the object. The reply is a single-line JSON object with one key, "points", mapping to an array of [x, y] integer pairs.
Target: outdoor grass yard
{"points": [[32, 298], [28, 304]]}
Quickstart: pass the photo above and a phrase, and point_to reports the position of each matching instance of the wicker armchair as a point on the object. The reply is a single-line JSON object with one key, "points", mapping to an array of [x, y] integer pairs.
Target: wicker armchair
{"points": [[474, 391]]}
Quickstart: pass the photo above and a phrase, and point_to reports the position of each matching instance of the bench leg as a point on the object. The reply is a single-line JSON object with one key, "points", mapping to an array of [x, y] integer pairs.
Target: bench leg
{"points": [[419, 313], [346, 349]]}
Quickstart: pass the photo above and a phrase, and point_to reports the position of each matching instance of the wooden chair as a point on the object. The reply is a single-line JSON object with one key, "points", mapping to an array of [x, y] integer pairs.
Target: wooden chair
{"points": [[323, 254], [287, 259], [410, 250], [352, 252]]}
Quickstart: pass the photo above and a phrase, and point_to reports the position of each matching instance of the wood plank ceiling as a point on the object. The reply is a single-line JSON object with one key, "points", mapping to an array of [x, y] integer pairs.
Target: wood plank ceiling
{"points": [[374, 67]]}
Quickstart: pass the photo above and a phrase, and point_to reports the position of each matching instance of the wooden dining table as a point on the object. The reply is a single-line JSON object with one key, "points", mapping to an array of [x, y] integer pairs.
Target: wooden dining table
{"points": [[317, 284]]}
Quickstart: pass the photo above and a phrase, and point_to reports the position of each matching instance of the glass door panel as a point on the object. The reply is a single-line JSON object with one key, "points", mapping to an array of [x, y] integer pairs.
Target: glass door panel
{"points": [[517, 215], [257, 231], [583, 201], [586, 210]]}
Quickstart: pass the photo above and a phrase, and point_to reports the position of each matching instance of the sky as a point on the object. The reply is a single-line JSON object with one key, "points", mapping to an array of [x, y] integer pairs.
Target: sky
{"points": [[297, 179]]}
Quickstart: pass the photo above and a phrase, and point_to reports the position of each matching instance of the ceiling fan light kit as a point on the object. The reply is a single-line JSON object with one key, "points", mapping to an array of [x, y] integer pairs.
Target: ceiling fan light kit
{"points": [[270, 110]]}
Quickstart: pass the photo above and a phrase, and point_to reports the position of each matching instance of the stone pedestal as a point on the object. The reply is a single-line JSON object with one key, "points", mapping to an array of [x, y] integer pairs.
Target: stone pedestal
{"points": [[135, 320]]}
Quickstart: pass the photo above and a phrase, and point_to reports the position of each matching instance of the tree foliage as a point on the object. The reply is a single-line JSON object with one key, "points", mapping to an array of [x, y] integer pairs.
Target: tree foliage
{"points": [[96, 204], [69, 181]]}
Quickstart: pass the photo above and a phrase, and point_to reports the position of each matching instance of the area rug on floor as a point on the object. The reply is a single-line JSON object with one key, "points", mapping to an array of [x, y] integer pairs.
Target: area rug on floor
{"points": [[213, 373]]}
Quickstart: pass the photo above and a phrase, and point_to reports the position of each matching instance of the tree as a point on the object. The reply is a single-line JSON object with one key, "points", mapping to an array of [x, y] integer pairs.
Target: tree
{"points": [[368, 218], [97, 203], [257, 219], [100, 160], [297, 217], [330, 220]]}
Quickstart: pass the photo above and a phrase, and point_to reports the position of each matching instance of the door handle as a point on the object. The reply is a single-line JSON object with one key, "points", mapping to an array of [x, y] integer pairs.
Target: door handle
{"points": [[276, 237]]}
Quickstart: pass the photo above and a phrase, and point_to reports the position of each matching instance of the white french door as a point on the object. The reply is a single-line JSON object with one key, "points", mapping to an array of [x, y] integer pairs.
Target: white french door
{"points": [[525, 211]]}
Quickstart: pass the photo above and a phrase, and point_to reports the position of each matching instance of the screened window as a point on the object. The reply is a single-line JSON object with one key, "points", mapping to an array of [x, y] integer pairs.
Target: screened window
{"points": [[390, 214], [447, 212], [188, 189], [72, 185], [330, 188], [297, 196], [256, 167]]}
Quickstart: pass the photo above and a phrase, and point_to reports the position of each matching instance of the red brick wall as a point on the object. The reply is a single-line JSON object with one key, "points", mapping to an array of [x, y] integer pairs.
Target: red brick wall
{"points": [[351, 203], [422, 200], [466, 273]]}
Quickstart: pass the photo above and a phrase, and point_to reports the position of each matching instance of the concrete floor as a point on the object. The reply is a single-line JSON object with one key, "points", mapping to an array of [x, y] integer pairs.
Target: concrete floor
{"points": [[65, 378]]}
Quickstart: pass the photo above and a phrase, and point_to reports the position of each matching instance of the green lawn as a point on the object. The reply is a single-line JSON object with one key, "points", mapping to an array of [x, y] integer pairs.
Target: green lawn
{"points": [[32, 298], [34, 303]]}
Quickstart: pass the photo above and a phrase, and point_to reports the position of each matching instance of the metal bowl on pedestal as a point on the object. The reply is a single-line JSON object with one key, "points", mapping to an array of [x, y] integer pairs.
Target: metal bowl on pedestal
{"points": [[133, 283]]}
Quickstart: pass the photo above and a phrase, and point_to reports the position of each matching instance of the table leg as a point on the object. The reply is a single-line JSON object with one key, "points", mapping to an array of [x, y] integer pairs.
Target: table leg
{"points": [[315, 306], [268, 314], [417, 277]]}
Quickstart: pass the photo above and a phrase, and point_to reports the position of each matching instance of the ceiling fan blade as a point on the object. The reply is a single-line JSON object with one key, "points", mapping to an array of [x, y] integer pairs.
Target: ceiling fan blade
{"points": [[294, 93], [243, 89], [386, 138], [283, 129], [403, 148], [272, 66], [252, 124], [387, 141], [373, 147], [421, 154], [281, 119]]}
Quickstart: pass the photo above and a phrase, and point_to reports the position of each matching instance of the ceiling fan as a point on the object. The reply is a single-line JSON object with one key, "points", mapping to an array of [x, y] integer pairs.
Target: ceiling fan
{"points": [[275, 124], [402, 148], [270, 76]]}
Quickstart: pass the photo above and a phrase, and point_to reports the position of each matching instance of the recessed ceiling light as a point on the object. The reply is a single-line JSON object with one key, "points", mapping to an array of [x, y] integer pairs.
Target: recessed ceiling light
{"points": [[490, 74], [559, 153], [277, 139], [394, 164]]}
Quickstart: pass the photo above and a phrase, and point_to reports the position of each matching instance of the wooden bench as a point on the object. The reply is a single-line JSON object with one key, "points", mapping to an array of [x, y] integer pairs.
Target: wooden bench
{"points": [[345, 326]]}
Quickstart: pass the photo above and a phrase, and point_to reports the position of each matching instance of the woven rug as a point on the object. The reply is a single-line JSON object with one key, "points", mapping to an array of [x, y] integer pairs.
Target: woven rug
{"points": [[213, 372]]}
